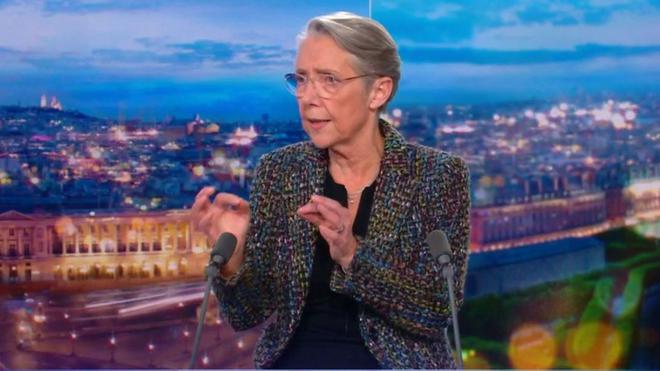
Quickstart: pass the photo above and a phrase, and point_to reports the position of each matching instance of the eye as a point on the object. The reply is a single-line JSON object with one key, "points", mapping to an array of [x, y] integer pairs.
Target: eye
{"points": [[300, 79], [329, 79]]}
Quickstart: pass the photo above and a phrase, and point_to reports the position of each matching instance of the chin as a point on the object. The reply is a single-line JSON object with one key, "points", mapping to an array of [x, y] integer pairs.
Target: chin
{"points": [[320, 138], [321, 141]]}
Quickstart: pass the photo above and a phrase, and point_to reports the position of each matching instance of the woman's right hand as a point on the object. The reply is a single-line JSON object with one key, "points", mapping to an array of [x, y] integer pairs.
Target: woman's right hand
{"points": [[227, 213]]}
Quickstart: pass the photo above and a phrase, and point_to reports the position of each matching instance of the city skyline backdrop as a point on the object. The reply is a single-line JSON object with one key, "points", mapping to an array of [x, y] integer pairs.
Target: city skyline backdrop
{"points": [[553, 106], [134, 60]]}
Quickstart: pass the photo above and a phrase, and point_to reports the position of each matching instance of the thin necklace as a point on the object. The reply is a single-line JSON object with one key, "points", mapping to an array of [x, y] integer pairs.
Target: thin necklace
{"points": [[352, 197]]}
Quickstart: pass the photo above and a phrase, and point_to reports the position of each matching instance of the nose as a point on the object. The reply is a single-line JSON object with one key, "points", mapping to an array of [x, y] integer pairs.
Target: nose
{"points": [[308, 95]]}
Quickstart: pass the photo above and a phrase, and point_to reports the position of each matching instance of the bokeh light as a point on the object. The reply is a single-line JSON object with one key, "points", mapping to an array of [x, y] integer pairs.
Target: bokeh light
{"points": [[64, 227], [531, 346], [198, 170], [474, 360], [594, 345]]}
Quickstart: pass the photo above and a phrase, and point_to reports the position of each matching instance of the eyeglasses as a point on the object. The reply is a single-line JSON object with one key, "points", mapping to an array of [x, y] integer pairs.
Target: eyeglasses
{"points": [[326, 84]]}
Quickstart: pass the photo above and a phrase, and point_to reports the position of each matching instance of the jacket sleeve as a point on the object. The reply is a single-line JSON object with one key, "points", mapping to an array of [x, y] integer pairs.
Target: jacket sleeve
{"points": [[410, 292], [247, 298]]}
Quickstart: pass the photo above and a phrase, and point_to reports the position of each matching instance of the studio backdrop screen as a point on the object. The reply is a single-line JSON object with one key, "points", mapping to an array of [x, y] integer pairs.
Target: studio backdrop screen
{"points": [[114, 114]]}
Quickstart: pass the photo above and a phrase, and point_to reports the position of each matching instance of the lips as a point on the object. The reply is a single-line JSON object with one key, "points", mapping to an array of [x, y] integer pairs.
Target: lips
{"points": [[317, 123]]}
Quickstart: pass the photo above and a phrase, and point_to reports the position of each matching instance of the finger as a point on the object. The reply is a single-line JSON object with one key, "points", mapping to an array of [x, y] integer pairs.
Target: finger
{"points": [[328, 202], [226, 200], [206, 220], [312, 217], [202, 199], [309, 207], [197, 211], [333, 219], [204, 193], [331, 236]]}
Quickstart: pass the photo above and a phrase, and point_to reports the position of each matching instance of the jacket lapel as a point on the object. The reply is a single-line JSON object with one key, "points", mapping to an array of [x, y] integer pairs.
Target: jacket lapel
{"points": [[311, 178], [395, 187]]}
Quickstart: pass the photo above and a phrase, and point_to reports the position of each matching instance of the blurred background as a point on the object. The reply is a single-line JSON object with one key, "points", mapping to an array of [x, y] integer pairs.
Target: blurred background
{"points": [[114, 114]]}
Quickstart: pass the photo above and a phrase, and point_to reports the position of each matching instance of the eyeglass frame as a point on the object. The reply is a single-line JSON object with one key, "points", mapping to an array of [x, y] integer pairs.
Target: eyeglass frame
{"points": [[340, 82]]}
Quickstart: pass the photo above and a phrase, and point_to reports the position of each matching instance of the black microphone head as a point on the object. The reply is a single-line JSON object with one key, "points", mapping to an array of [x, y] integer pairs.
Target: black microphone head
{"points": [[224, 247], [438, 244]]}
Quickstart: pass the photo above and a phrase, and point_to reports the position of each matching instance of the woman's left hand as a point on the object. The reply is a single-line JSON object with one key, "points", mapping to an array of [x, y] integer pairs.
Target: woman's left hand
{"points": [[334, 223]]}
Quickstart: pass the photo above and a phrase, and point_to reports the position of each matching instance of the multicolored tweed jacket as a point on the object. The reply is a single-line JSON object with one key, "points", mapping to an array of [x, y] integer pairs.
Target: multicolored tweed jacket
{"points": [[401, 293]]}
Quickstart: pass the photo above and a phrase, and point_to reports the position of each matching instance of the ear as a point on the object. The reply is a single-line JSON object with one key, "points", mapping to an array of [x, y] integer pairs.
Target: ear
{"points": [[380, 92]]}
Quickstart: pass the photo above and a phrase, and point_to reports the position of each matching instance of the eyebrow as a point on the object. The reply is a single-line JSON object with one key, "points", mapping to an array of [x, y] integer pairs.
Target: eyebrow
{"points": [[319, 71]]}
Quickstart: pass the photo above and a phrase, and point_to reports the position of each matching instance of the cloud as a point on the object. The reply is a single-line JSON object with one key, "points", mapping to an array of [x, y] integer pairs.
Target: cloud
{"points": [[450, 22], [439, 22], [4, 3], [540, 13], [504, 57], [193, 60], [232, 52], [5, 51], [92, 6], [184, 55]]}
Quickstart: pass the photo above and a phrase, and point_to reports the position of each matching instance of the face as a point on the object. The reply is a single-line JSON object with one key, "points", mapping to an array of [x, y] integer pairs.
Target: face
{"points": [[337, 120]]}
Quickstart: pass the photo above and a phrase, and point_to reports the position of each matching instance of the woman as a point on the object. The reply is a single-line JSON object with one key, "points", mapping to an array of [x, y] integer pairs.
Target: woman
{"points": [[332, 240]]}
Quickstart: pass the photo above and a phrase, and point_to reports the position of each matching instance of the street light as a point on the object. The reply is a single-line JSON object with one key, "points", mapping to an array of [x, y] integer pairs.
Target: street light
{"points": [[39, 318], [205, 360], [113, 344], [186, 335], [74, 336], [151, 348], [218, 322]]}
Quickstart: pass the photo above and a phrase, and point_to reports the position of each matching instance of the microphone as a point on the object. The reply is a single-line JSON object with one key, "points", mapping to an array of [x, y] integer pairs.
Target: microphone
{"points": [[222, 250], [439, 246], [441, 252]]}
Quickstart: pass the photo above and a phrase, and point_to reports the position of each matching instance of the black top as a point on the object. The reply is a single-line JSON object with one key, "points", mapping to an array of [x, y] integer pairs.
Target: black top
{"points": [[328, 335]]}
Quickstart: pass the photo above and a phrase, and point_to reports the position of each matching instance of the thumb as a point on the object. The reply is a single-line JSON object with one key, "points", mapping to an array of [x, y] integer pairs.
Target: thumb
{"points": [[225, 200]]}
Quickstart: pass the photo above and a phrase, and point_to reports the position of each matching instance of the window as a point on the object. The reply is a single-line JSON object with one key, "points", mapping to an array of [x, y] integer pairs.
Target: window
{"points": [[57, 247]]}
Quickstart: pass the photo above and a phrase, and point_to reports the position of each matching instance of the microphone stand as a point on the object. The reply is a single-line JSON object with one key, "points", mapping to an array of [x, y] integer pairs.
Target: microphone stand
{"points": [[211, 272], [448, 273]]}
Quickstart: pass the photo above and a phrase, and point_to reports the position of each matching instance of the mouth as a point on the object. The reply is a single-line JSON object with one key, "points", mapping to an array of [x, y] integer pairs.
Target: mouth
{"points": [[317, 123]]}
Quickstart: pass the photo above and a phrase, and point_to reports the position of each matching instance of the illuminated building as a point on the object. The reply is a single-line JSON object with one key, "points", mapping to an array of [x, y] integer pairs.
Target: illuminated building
{"points": [[54, 102], [243, 137], [643, 197], [81, 247], [498, 227], [502, 227], [200, 126]]}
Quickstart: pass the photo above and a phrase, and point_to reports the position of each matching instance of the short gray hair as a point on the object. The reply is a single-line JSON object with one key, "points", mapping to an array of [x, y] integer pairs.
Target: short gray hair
{"points": [[372, 47]]}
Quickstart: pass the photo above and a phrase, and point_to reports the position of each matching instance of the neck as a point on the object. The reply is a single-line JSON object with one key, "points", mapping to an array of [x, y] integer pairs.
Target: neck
{"points": [[356, 164]]}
